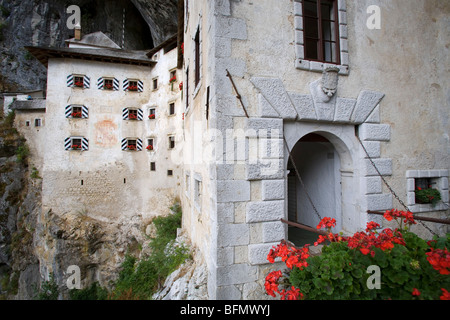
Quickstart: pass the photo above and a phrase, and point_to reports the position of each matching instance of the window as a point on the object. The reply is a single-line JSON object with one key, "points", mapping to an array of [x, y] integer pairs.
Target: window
{"points": [[152, 113], [172, 108], [132, 114], [197, 192], [170, 172], [173, 74], [197, 57], [76, 111], [76, 143], [150, 144], [187, 88], [78, 81], [131, 144], [173, 78], [155, 83], [152, 166], [37, 122], [187, 183], [171, 142], [133, 85], [108, 84], [27, 123], [321, 34], [321, 28], [427, 190]]}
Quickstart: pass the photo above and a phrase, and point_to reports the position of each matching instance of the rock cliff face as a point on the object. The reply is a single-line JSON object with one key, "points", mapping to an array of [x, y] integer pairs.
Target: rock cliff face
{"points": [[43, 23]]}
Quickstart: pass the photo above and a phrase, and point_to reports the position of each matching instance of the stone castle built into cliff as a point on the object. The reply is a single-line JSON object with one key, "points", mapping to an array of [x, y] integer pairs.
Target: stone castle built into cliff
{"points": [[254, 114]]}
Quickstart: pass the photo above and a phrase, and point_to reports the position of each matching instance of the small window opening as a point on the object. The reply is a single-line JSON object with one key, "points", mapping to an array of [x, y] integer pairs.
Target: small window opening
{"points": [[171, 142], [131, 145], [152, 113], [108, 84], [132, 114], [78, 81], [132, 85]]}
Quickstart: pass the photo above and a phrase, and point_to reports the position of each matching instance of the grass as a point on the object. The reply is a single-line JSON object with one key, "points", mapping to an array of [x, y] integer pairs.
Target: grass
{"points": [[140, 279]]}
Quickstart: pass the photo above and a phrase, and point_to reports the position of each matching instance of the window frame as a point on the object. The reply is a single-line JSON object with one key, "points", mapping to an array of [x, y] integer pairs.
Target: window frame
{"points": [[105, 84], [439, 178], [82, 143], [152, 111], [76, 83], [172, 142], [172, 108], [150, 142], [320, 29], [342, 55], [197, 54]]}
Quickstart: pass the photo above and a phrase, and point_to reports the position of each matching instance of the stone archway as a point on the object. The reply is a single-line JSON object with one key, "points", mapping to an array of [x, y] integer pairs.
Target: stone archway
{"points": [[318, 164], [325, 156]]}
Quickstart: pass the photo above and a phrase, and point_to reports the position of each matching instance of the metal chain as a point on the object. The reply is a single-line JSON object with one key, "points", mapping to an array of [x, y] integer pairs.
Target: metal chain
{"points": [[382, 178], [389, 187], [297, 173]]}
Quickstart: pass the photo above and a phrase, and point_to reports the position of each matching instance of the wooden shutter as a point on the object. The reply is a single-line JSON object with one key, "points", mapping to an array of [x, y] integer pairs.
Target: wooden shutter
{"points": [[68, 111], [100, 83], [140, 114], [86, 82], [138, 144], [70, 80], [124, 143], [125, 84], [116, 84], [84, 144], [84, 112], [67, 143], [125, 114], [140, 86]]}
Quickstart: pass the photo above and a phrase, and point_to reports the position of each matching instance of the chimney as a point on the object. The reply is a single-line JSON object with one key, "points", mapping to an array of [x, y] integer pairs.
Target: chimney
{"points": [[78, 32]]}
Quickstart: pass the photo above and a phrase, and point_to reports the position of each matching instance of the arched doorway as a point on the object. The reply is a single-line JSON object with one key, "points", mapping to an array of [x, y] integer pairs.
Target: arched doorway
{"points": [[319, 165]]}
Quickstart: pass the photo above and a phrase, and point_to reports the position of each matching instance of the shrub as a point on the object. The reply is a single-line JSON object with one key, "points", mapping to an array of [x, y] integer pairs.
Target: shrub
{"points": [[141, 279], [48, 290], [94, 292], [410, 267]]}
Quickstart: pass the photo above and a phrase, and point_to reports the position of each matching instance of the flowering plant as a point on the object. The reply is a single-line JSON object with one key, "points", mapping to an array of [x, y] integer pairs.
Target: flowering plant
{"points": [[180, 86], [108, 86], [428, 195], [131, 147], [151, 116], [132, 116], [76, 114], [410, 267], [79, 84], [171, 81], [76, 147], [149, 147], [132, 88]]}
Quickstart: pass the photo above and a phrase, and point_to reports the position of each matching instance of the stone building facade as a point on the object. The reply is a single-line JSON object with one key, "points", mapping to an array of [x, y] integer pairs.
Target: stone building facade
{"points": [[265, 93], [113, 123]]}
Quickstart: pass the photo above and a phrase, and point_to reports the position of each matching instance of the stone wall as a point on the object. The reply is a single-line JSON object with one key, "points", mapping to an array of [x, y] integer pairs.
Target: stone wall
{"points": [[246, 181]]}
